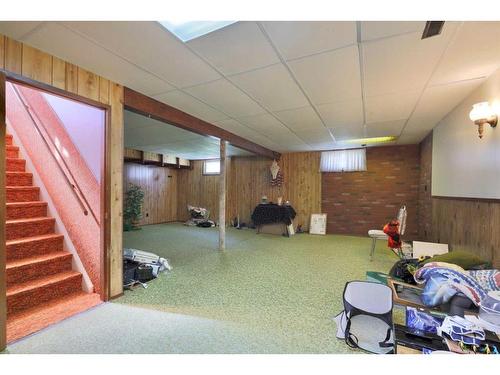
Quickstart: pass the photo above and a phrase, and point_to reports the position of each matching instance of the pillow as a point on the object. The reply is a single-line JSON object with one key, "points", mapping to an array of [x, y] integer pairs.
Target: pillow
{"points": [[461, 258]]}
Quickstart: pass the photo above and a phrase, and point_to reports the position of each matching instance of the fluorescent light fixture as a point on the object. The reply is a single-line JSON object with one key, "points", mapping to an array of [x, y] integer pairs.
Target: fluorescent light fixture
{"points": [[188, 30], [372, 140]]}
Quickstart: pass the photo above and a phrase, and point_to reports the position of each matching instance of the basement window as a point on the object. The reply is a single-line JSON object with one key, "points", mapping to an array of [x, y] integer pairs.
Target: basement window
{"points": [[343, 160], [211, 167]]}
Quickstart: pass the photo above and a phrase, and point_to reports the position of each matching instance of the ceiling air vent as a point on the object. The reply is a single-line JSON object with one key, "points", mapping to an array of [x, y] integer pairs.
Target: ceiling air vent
{"points": [[432, 28]]}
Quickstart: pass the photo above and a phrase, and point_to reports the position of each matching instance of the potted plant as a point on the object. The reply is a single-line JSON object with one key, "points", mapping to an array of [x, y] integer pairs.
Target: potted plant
{"points": [[134, 198]]}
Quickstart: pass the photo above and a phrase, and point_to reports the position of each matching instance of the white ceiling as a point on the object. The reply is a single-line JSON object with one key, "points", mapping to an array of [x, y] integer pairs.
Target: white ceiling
{"points": [[289, 86], [146, 134]]}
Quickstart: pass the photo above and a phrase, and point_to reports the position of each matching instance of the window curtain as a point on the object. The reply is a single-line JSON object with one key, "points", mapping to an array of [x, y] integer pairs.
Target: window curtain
{"points": [[343, 160]]}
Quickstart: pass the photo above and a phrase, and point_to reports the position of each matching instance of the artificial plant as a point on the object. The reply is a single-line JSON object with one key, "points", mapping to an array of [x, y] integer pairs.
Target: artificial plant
{"points": [[132, 212]]}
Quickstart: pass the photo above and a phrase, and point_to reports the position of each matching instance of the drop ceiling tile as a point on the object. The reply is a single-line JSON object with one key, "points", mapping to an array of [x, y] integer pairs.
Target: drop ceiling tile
{"points": [[412, 137], [326, 146], [402, 63], [385, 129], [382, 29], [150, 46], [390, 107], [301, 38], [437, 101], [17, 29], [227, 98], [315, 136], [331, 76], [473, 53], [272, 87], [235, 48], [344, 113], [300, 118], [67, 45], [348, 132], [188, 104], [264, 124]]}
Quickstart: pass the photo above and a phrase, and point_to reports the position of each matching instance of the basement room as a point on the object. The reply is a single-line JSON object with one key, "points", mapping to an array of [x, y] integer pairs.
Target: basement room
{"points": [[250, 187]]}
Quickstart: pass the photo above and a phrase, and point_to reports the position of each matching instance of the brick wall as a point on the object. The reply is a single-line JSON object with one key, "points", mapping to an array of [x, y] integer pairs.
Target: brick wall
{"points": [[359, 201], [425, 195]]}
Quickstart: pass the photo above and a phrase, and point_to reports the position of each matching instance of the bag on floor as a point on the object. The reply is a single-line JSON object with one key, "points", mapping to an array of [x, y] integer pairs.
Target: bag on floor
{"points": [[366, 322]]}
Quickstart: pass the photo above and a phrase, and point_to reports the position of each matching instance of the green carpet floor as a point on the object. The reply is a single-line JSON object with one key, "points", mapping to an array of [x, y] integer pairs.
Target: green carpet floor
{"points": [[283, 290], [264, 294]]}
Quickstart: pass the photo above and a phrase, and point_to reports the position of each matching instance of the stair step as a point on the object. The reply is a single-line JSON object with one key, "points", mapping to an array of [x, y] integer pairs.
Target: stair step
{"points": [[33, 246], [15, 165], [22, 193], [23, 270], [32, 320], [26, 210], [20, 228], [19, 179], [12, 152], [8, 139], [37, 292]]}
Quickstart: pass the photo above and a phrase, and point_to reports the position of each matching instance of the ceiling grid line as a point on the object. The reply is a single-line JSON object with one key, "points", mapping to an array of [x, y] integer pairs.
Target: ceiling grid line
{"points": [[452, 39], [284, 62], [228, 78], [361, 74]]}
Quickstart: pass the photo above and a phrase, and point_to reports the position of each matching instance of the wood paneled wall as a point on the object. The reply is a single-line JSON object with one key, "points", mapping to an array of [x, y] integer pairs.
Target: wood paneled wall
{"points": [[160, 188], [465, 224], [22, 59], [195, 189], [248, 179]]}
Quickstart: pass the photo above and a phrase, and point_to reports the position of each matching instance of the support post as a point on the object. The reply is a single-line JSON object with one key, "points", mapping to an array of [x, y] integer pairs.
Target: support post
{"points": [[3, 255], [222, 196]]}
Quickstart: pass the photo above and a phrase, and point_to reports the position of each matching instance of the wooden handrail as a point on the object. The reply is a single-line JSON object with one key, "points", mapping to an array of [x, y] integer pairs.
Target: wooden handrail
{"points": [[71, 180]]}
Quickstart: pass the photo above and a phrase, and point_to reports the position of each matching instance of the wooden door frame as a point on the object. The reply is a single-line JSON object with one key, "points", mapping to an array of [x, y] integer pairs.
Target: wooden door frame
{"points": [[3, 255], [105, 219]]}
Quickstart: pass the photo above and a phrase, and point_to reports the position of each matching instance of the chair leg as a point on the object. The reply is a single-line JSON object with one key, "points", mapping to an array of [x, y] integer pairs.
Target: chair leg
{"points": [[372, 250]]}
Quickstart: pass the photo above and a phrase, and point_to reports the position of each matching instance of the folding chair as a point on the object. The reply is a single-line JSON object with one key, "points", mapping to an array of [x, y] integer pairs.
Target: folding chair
{"points": [[377, 234]]}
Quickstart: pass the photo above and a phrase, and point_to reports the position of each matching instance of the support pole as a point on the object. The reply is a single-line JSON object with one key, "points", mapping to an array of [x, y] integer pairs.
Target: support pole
{"points": [[222, 196]]}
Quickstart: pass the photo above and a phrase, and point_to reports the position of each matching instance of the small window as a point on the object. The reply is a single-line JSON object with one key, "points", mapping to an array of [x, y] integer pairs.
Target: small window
{"points": [[343, 160], [211, 167]]}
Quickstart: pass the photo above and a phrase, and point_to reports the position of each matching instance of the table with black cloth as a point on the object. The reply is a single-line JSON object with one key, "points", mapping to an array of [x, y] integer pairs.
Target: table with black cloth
{"points": [[270, 214]]}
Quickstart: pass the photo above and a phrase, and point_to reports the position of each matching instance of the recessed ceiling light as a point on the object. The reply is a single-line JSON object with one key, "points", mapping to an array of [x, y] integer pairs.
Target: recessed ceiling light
{"points": [[188, 30], [372, 140]]}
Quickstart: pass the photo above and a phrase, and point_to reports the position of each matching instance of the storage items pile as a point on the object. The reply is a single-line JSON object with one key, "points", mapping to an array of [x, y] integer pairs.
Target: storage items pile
{"points": [[199, 217], [140, 267]]}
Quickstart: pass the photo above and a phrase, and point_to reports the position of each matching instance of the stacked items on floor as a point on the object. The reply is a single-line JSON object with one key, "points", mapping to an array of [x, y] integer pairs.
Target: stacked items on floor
{"points": [[452, 303], [198, 216], [140, 267]]}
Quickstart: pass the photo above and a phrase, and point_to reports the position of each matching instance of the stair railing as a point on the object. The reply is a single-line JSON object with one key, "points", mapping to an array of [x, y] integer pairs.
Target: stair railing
{"points": [[56, 154]]}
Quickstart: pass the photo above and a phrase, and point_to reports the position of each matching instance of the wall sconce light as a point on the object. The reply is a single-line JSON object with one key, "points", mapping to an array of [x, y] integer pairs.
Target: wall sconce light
{"points": [[481, 114]]}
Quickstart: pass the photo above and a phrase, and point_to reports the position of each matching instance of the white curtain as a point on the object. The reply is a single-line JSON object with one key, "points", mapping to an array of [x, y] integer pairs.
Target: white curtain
{"points": [[343, 160]]}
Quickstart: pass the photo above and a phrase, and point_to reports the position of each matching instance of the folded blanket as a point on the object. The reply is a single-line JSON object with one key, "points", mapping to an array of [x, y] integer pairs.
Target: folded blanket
{"points": [[442, 282]]}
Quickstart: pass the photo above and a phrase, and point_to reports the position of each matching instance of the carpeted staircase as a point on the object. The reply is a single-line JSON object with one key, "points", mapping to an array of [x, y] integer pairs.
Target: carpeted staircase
{"points": [[42, 287]]}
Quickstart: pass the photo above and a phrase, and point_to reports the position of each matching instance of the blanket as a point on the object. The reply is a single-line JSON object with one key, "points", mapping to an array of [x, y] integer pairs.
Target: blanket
{"points": [[443, 282]]}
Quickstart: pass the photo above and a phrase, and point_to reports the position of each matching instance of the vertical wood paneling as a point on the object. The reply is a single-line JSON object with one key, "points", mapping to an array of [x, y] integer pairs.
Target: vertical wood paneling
{"points": [[116, 206], [13, 55], [160, 187], [2, 51], [36, 65], [88, 84], [103, 90], [58, 73], [21, 59], [71, 78]]}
